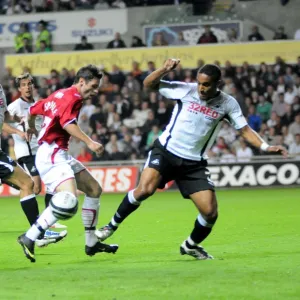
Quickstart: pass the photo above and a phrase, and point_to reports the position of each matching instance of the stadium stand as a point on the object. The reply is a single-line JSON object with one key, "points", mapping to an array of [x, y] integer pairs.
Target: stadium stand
{"points": [[127, 120]]}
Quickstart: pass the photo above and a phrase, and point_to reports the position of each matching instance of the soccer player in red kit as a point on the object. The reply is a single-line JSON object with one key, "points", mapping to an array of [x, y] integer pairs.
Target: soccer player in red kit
{"points": [[58, 170]]}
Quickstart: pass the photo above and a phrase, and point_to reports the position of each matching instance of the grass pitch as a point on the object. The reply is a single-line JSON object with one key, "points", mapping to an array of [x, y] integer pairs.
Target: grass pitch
{"points": [[256, 244]]}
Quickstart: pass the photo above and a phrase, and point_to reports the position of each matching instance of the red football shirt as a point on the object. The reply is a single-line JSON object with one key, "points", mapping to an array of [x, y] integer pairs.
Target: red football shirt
{"points": [[59, 109]]}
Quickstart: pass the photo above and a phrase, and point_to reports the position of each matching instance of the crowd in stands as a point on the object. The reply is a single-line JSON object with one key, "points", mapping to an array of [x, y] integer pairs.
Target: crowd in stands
{"points": [[10, 7], [24, 42], [126, 119]]}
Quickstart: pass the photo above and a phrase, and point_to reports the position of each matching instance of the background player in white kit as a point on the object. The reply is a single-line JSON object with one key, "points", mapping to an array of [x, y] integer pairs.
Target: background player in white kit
{"points": [[58, 170], [179, 153], [13, 175], [25, 151]]}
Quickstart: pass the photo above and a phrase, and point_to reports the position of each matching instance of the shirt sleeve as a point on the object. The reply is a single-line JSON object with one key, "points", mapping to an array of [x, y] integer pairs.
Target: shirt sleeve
{"points": [[174, 89], [235, 115], [70, 113], [37, 108], [3, 97]]}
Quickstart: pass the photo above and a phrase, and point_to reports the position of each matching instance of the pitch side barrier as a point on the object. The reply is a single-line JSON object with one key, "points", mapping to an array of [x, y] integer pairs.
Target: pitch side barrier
{"points": [[259, 172]]}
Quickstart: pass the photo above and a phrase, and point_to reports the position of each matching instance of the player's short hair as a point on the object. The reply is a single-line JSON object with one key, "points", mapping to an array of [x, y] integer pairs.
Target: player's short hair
{"points": [[211, 70], [88, 73], [19, 78]]}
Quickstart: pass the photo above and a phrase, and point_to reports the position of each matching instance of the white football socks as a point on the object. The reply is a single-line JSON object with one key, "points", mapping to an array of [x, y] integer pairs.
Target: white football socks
{"points": [[46, 220], [89, 214]]}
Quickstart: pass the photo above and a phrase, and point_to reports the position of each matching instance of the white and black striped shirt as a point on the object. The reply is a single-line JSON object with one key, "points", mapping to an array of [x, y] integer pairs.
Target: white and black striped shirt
{"points": [[3, 109], [20, 108], [195, 123]]}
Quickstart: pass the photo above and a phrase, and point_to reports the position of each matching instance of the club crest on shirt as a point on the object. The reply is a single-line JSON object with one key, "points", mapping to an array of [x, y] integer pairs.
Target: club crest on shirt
{"points": [[207, 111]]}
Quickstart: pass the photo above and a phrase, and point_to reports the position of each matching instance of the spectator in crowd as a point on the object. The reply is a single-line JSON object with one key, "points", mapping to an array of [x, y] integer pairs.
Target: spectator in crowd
{"points": [[264, 108], [26, 46], [55, 84], [244, 153], [297, 35], [271, 95], [117, 42], [118, 4], [232, 35], [294, 128], [163, 114], [44, 35], [114, 142], [288, 138], [98, 117], [207, 37], [280, 34], [219, 146], [128, 144], [255, 35], [66, 5], [227, 132], [116, 154], [20, 37], [84, 45], [117, 76], [227, 156], [272, 122], [180, 41], [159, 40], [84, 155], [88, 109], [297, 67], [290, 94], [66, 78], [43, 47], [137, 42], [254, 119], [279, 105], [101, 4], [151, 68], [295, 146], [132, 84], [75, 146], [152, 136]]}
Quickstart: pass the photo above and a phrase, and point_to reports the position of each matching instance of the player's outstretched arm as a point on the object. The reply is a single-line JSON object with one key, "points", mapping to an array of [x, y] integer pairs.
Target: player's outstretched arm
{"points": [[75, 131], [12, 130], [254, 139], [31, 126], [151, 82]]}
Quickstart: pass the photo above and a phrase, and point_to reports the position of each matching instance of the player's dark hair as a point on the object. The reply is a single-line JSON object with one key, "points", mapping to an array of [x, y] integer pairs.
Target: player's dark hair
{"points": [[88, 73], [21, 77], [211, 70]]}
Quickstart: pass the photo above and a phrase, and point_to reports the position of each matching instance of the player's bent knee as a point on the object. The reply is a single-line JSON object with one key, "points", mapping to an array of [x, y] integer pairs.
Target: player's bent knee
{"points": [[145, 191], [94, 190], [37, 189], [27, 185], [211, 216]]}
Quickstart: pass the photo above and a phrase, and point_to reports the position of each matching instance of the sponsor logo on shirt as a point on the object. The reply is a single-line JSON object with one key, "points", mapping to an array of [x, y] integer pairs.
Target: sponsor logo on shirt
{"points": [[51, 105], [196, 108]]}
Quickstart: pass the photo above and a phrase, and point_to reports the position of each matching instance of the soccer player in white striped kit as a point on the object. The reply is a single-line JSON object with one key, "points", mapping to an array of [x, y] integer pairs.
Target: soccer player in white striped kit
{"points": [[25, 151], [180, 152]]}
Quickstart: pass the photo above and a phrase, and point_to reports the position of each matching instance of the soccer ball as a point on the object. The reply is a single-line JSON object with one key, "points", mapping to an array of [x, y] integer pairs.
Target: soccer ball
{"points": [[64, 205]]}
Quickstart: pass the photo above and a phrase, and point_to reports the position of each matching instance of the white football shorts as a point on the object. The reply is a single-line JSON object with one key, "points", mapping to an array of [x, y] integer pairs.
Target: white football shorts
{"points": [[56, 165]]}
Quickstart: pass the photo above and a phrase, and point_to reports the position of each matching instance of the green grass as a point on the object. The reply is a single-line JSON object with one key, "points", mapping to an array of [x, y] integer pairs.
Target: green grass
{"points": [[256, 244]]}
